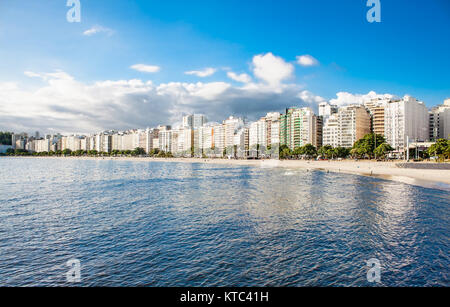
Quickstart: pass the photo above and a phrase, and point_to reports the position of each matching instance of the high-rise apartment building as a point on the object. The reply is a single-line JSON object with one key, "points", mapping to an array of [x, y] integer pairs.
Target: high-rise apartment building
{"points": [[258, 133], [440, 121], [326, 109], [406, 119], [219, 138], [273, 128], [165, 138], [376, 108], [194, 121], [231, 126], [298, 127], [347, 126], [182, 141]]}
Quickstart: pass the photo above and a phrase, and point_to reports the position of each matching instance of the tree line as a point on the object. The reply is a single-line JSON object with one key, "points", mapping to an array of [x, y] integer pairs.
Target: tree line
{"points": [[370, 146], [91, 153]]}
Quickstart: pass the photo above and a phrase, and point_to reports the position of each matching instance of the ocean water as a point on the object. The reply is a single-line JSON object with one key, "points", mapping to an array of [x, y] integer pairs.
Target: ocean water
{"points": [[180, 224]]}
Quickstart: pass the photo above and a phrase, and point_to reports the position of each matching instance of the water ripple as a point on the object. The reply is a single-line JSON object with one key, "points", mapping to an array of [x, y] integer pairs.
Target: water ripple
{"points": [[176, 224]]}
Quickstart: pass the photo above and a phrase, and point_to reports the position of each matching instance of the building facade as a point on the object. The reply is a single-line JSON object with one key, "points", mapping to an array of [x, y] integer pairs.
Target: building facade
{"points": [[347, 126], [440, 121], [298, 127], [406, 120]]}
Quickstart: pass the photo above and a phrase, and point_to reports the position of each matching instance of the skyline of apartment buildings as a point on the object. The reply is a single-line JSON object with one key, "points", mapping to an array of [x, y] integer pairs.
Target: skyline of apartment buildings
{"points": [[398, 120]]}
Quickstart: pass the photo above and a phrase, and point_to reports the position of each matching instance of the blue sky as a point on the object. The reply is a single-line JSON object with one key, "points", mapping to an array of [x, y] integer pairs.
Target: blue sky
{"points": [[407, 53]]}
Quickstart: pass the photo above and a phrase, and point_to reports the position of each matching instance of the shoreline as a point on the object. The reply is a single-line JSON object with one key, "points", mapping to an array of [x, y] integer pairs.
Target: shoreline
{"points": [[429, 178]]}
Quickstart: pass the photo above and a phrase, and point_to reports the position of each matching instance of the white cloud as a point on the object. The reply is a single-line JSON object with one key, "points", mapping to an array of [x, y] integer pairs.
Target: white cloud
{"points": [[66, 105], [57, 74], [271, 69], [32, 74], [307, 60], [310, 98], [98, 29], [345, 98], [202, 73], [243, 78], [146, 68]]}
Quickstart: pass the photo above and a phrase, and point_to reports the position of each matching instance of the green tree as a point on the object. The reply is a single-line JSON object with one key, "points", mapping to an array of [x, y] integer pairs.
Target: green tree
{"points": [[366, 146], [298, 151], [93, 152], [5, 138], [441, 149], [138, 151], [382, 150], [21, 152], [447, 151], [285, 152], [115, 152], [341, 152], [66, 152], [309, 151], [154, 152], [326, 151]]}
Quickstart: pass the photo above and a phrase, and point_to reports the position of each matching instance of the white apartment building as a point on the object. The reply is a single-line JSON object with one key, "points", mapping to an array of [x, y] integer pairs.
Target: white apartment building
{"points": [[305, 131], [406, 119], [194, 121], [156, 143], [43, 145], [165, 140], [258, 133], [273, 128], [103, 142], [347, 126], [219, 138], [182, 141], [231, 126], [326, 110], [331, 135], [84, 143], [206, 136], [241, 138], [440, 121]]}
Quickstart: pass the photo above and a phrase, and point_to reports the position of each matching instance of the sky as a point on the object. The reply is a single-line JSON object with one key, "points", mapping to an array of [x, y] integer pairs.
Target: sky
{"points": [[136, 64]]}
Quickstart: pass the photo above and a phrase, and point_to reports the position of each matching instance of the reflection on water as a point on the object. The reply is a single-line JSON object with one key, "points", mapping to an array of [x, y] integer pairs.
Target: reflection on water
{"points": [[180, 224]]}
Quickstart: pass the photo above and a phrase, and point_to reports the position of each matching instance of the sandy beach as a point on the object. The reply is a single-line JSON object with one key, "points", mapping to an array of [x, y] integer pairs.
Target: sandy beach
{"points": [[434, 178]]}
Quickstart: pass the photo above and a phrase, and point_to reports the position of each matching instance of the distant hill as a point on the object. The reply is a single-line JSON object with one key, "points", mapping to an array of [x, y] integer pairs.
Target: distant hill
{"points": [[5, 138]]}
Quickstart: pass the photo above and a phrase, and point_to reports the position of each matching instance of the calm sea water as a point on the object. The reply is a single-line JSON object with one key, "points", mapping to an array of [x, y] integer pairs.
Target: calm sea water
{"points": [[178, 224]]}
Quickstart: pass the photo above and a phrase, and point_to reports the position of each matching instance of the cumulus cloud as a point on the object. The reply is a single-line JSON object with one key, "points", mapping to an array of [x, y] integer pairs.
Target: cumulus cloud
{"points": [[98, 29], [202, 73], [345, 98], [243, 78], [307, 60], [66, 105], [310, 98], [145, 68], [271, 69]]}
